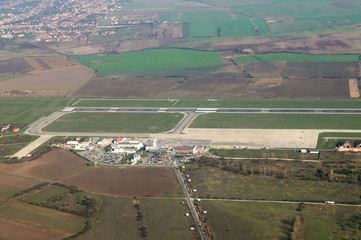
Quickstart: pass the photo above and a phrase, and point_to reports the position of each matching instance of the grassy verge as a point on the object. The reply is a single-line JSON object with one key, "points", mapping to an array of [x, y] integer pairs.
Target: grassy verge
{"points": [[254, 153], [324, 143], [224, 103], [115, 122], [278, 121]]}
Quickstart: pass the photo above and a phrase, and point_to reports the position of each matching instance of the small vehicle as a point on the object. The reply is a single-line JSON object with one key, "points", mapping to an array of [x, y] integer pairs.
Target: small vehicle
{"points": [[329, 202]]}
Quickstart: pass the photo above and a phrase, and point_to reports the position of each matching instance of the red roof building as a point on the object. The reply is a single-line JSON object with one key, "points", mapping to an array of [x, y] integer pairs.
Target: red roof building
{"points": [[15, 129]]}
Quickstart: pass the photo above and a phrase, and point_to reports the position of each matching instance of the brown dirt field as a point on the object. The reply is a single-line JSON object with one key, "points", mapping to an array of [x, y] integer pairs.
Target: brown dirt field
{"points": [[18, 65], [52, 165], [12, 231], [310, 87], [17, 181], [130, 86], [126, 181], [51, 82]]}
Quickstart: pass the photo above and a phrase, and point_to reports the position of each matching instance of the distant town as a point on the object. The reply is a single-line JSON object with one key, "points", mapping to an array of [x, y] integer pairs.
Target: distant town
{"points": [[59, 21]]}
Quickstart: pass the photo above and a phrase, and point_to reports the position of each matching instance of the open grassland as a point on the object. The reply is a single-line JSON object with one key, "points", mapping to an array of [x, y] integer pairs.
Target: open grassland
{"points": [[126, 181], [53, 222], [12, 184], [28, 110], [7, 190], [334, 138], [247, 220], [49, 192], [149, 59], [216, 183], [119, 218], [223, 103], [115, 122], [51, 165], [298, 57], [13, 143], [278, 121]]}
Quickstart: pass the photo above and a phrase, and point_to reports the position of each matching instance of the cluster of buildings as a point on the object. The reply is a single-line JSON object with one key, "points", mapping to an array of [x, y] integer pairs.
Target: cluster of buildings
{"points": [[347, 145], [51, 20], [6, 127]]}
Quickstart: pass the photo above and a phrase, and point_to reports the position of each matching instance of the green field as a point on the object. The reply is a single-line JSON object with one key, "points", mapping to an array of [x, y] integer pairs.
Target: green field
{"points": [[331, 143], [43, 219], [212, 182], [149, 59], [115, 122], [248, 220], [49, 192], [7, 191], [162, 218], [298, 58], [223, 103], [27, 110], [278, 121]]}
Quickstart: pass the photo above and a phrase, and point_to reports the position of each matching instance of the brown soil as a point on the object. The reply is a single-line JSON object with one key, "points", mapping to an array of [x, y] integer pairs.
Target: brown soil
{"points": [[127, 181], [310, 87], [17, 181], [50, 82], [19, 65], [52, 165], [12, 231]]}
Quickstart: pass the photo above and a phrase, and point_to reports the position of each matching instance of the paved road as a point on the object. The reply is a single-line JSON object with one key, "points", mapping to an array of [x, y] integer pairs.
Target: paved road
{"points": [[221, 110], [190, 205], [29, 148]]}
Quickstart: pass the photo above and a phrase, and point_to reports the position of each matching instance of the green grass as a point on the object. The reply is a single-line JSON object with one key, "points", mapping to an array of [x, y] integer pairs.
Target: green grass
{"points": [[51, 191], [331, 143], [10, 144], [298, 57], [247, 220], [7, 191], [278, 121], [224, 103], [163, 219], [216, 183], [28, 110], [150, 59], [115, 122], [43, 219]]}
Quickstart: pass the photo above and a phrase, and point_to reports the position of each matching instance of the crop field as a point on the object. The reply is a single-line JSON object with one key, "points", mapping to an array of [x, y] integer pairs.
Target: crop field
{"points": [[51, 165], [161, 218], [115, 122], [250, 220], [321, 69], [215, 183], [132, 181], [149, 59], [298, 58], [222, 103], [28, 110], [278, 121], [52, 222]]}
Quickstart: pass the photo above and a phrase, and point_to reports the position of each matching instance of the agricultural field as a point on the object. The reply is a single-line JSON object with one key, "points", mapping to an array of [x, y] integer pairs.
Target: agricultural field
{"points": [[156, 182], [277, 121], [42, 76], [51, 166], [288, 57], [149, 59], [42, 221], [119, 218], [115, 122], [254, 220], [290, 182]]}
